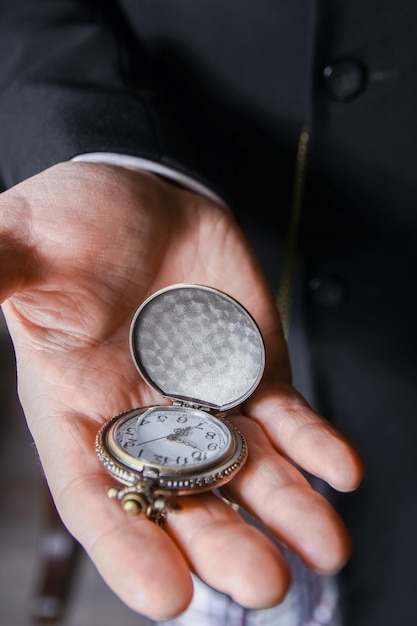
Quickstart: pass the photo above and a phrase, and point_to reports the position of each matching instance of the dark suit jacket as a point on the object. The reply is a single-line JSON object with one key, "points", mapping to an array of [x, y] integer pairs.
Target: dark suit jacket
{"points": [[220, 90]]}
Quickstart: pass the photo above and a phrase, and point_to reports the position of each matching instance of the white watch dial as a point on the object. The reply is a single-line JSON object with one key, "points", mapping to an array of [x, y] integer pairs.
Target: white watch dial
{"points": [[171, 438]]}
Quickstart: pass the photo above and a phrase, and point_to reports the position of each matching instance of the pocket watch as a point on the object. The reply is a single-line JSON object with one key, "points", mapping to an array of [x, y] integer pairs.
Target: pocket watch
{"points": [[200, 349]]}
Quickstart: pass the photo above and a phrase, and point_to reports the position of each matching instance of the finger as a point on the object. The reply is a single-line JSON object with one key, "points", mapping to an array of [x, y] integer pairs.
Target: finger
{"points": [[305, 437], [273, 490], [229, 554], [136, 558]]}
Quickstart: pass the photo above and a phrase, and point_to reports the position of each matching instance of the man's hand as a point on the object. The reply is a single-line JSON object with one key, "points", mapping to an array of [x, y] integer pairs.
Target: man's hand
{"points": [[81, 246]]}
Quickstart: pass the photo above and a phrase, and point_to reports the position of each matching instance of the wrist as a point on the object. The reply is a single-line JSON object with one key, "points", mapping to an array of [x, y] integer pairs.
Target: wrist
{"points": [[140, 164]]}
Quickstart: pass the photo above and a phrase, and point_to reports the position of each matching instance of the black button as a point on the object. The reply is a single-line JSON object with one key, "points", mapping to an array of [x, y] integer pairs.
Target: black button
{"points": [[345, 79], [328, 291]]}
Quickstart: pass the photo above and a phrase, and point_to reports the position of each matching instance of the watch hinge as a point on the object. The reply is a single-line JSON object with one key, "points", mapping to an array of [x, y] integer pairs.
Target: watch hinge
{"points": [[192, 405]]}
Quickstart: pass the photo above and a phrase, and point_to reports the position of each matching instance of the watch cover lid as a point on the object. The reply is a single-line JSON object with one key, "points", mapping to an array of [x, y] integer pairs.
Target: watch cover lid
{"points": [[197, 345]]}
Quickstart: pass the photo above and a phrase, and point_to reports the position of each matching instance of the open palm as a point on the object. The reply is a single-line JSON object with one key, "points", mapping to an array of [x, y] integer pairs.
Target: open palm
{"points": [[86, 244]]}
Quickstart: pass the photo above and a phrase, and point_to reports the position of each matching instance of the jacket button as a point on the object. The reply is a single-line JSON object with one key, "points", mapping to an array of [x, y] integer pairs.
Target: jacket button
{"points": [[327, 291], [345, 79]]}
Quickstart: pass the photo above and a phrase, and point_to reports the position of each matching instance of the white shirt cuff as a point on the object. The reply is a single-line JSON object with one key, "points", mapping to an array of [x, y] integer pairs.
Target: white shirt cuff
{"points": [[113, 158]]}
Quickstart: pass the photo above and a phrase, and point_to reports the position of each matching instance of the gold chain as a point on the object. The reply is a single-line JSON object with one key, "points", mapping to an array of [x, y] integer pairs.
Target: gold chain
{"points": [[286, 289]]}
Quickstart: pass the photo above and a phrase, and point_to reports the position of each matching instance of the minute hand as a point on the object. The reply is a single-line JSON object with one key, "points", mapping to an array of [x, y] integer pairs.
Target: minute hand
{"points": [[143, 443]]}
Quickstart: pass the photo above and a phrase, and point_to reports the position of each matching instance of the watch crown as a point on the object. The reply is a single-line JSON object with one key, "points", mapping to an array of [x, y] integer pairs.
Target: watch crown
{"points": [[134, 503]]}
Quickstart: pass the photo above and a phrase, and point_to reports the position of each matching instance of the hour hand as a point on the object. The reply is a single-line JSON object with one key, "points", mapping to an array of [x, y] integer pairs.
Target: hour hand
{"points": [[186, 443]]}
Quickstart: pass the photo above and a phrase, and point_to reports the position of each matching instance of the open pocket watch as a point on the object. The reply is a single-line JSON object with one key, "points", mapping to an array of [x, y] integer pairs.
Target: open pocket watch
{"points": [[201, 349]]}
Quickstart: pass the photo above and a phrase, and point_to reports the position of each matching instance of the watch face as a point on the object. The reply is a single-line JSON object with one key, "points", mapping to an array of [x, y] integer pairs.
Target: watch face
{"points": [[173, 439]]}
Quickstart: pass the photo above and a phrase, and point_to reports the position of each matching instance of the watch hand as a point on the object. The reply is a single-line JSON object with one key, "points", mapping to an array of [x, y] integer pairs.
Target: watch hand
{"points": [[171, 437], [183, 431], [143, 443], [188, 443]]}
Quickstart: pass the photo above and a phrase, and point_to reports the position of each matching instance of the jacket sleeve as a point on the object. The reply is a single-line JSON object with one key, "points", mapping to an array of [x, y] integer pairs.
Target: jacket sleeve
{"points": [[73, 80]]}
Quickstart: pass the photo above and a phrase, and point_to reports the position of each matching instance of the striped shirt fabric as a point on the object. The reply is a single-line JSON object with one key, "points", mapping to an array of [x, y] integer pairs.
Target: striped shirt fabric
{"points": [[311, 601]]}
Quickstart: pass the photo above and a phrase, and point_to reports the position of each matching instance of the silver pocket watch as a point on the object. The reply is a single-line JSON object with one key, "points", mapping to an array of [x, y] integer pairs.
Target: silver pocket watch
{"points": [[202, 350]]}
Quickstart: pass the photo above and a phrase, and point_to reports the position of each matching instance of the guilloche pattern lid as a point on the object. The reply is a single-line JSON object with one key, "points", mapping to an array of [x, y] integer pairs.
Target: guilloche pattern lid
{"points": [[195, 344]]}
